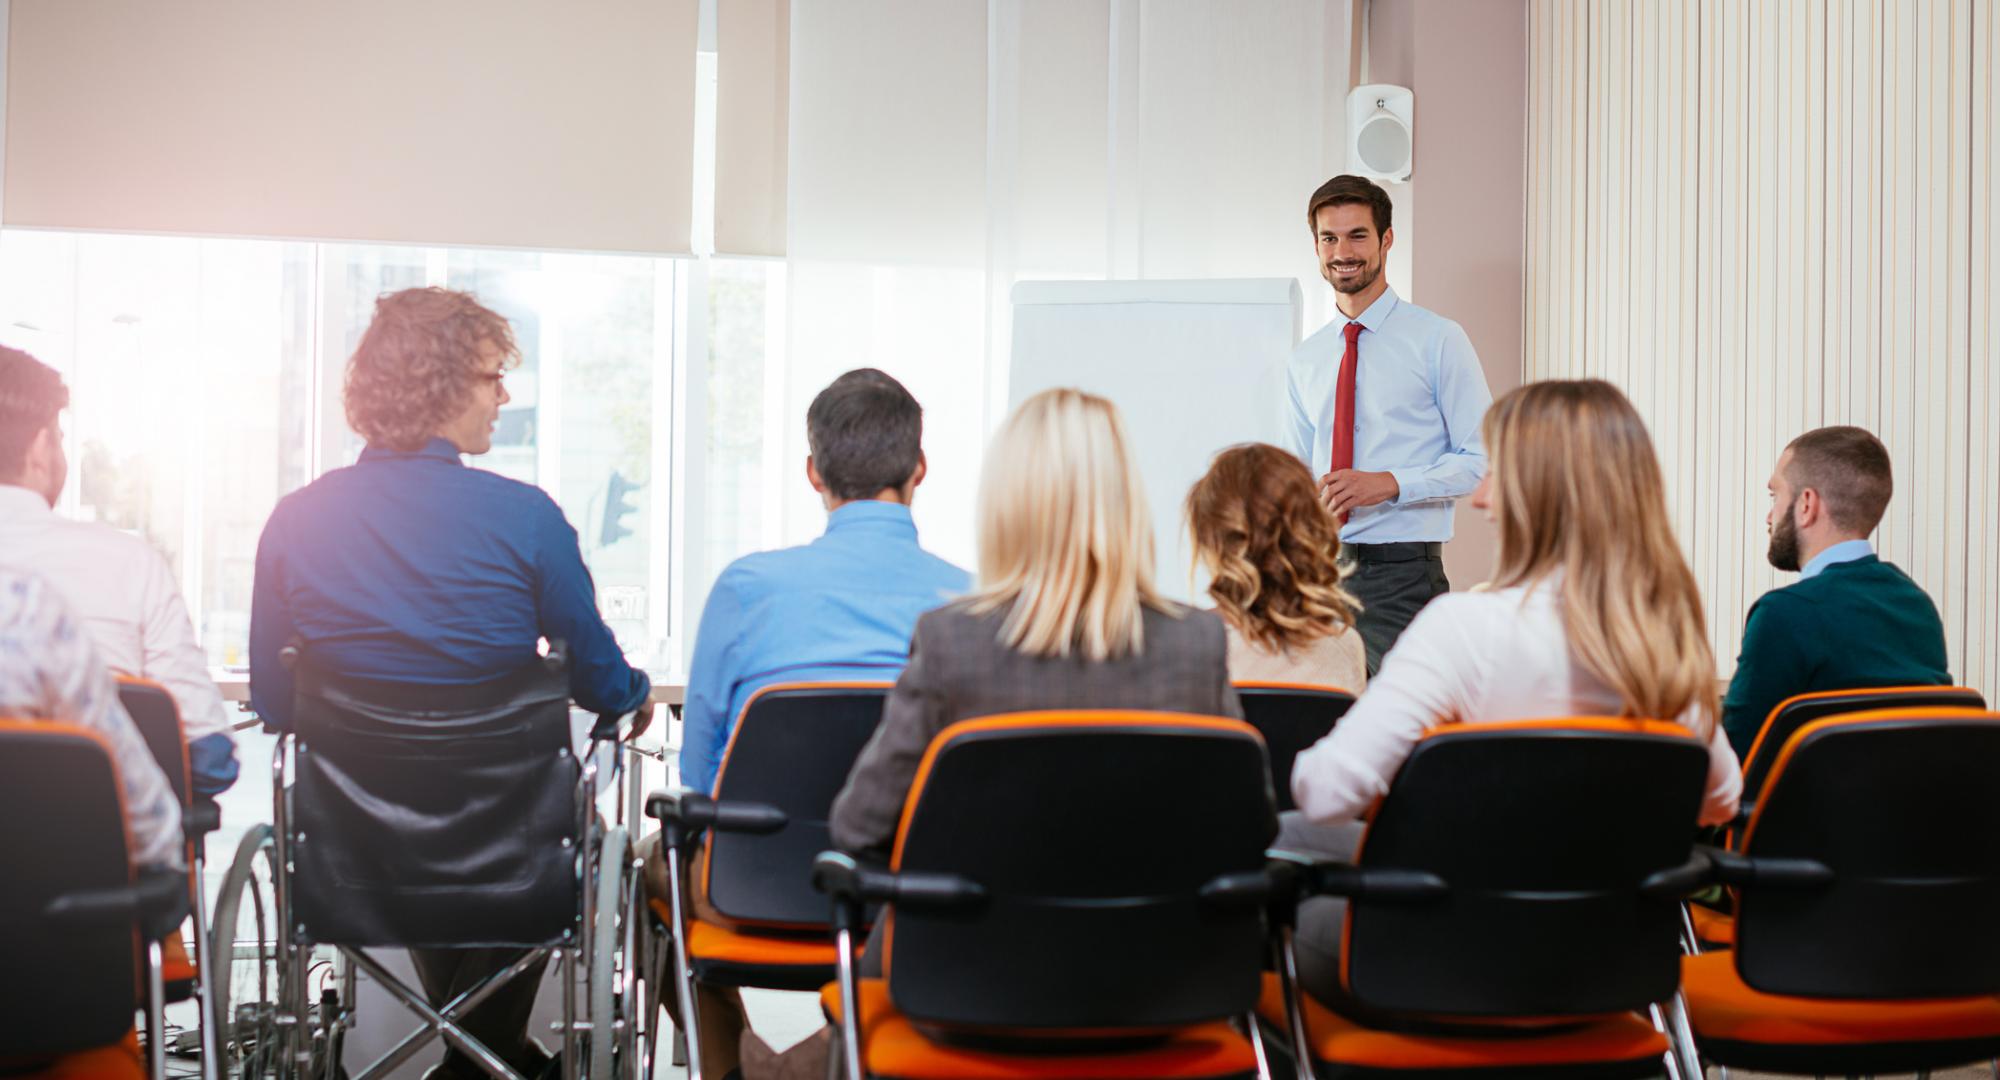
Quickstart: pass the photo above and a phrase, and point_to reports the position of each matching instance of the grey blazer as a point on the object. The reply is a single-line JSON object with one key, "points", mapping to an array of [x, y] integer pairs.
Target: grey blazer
{"points": [[958, 670]]}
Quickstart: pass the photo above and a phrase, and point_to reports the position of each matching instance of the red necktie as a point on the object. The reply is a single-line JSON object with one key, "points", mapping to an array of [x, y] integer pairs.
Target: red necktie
{"points": [[1343, 402]]}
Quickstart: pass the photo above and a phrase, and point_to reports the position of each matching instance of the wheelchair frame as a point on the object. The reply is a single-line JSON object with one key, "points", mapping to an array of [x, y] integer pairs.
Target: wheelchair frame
{"points": [[308, 1035]]}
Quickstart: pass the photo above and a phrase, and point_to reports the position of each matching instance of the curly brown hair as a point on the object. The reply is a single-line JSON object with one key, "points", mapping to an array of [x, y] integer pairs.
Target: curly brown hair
{"points": [[418, 363], [32, 396], [1271, 549]]}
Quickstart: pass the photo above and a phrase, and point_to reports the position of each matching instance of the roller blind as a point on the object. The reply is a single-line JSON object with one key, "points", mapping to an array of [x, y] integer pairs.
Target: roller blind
{"points": [[510, 123], [753, 80]]}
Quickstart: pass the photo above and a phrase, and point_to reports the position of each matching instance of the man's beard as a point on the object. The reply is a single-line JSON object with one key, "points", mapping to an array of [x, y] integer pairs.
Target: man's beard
{"points": [[1362, 279], [1784, 553]]}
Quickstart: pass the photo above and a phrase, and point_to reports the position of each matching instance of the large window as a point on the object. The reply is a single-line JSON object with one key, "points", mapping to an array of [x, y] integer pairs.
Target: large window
{"points": [[205, 384]]}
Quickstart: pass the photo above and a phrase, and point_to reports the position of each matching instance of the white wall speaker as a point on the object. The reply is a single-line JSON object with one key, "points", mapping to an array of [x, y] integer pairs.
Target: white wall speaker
{"points": [[1381, 131]]}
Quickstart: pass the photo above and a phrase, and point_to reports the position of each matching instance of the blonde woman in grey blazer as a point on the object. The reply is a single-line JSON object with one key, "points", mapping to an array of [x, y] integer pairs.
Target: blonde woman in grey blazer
{"points": [[1065, 617]]}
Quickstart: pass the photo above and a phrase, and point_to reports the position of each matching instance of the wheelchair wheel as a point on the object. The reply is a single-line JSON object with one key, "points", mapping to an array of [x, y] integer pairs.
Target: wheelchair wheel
{"points": [[615, 1045], [244, 961]]}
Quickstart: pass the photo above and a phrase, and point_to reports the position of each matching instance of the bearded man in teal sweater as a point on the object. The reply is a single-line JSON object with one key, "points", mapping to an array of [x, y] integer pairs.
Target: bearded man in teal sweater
{"points": [[1851, 621]]}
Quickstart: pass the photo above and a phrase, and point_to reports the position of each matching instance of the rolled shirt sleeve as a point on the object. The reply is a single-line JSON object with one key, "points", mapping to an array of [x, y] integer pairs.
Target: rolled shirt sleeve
{"points": [[600, 679], [1462, 400], [174, 658]]}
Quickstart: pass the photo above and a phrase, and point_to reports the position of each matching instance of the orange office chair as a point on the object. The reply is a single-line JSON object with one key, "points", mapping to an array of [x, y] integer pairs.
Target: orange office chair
{"points": [[788, 755], [1709, 927], [1513, 910], [1290, 717], [1072, 894], [1866, 885], [78, 921], [158, 719]]}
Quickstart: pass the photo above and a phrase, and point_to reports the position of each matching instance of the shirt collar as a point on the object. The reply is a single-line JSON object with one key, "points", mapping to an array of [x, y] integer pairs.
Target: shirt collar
{"points": [[1375, 317], [1845, 551], [22, 504], [874, 515], [442, 449]]}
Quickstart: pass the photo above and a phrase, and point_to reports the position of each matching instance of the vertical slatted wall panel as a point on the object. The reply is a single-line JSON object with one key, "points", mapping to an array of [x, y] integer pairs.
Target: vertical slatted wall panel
{"points": [[1762, 216]]}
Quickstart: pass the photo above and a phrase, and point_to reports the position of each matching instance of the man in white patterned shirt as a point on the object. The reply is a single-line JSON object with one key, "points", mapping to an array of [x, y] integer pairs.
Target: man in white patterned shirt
{"points": [[49, 671], [119, 588]]}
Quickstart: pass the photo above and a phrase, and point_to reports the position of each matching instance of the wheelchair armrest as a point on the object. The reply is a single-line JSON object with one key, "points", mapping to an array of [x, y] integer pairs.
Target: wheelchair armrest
{"points": [[611, 727], [683, 813], [157, 902], [200, 819], [1735, 868], [1381, 883]]}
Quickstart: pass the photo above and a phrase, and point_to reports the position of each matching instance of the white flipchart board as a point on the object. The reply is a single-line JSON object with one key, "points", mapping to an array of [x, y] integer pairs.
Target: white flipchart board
{"points": [[1194, 366]]}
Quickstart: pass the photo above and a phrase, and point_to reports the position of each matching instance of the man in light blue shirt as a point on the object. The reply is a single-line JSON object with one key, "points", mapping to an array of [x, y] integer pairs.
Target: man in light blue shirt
{"points": [[1384, 405], [840, 608]]}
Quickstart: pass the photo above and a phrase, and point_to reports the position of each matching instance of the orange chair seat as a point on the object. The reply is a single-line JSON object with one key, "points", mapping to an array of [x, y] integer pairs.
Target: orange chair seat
{"points": [[712, 941], [1722, 1007], [1342, 1043], [1712, 927], [119, 1061], [892, 1047]]}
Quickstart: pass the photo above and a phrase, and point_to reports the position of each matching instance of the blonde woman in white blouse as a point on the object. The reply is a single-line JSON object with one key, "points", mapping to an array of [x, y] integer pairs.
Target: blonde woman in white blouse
{"points": [[1272, 555], [1592, 611]]}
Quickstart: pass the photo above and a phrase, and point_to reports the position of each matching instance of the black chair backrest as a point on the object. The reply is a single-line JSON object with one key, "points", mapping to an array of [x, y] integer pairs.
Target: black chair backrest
{"points": [[426, 815], [64, 991], [1290, 717], [1542, 832], [1796, 712], [1899, 805], [1093, 834], [792, 748], [158, 719]]}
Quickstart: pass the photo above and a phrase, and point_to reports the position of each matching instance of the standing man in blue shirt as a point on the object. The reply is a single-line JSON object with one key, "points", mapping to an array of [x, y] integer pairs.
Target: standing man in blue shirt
{"points": [[407, 566], [1384, 405], [840, 608]]}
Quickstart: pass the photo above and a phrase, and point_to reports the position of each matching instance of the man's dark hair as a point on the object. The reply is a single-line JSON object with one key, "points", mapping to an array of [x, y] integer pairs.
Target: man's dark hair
{"points": [[1345, 190], [1849, 467], [866, 433], [32, 395]]}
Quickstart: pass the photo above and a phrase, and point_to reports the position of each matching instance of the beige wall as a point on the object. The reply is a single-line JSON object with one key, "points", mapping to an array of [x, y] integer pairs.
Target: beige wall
{"points": [[1467, 61]]}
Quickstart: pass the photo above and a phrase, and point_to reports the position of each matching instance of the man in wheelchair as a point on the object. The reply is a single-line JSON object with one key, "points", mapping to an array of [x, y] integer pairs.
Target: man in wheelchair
{"points": [[418, 595]]}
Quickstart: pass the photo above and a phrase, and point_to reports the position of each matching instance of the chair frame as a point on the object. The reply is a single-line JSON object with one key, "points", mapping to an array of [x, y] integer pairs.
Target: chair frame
{"points": [[199, 817], [1308, 878], [852, 887], [686, 817], [152, 906]]}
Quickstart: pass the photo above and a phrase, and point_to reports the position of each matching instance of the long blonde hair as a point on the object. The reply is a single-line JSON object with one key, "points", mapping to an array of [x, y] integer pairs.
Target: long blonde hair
{"points": [[1577, 489], [1271, 550], [1064, 535]]}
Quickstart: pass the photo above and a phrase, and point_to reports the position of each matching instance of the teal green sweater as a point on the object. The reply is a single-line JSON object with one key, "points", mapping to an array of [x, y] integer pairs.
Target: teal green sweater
{"points": [[1852, 626]]}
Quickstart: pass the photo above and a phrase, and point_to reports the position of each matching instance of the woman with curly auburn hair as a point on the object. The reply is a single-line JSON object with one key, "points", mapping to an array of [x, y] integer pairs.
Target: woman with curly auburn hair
{"points": [[1271, 551], [421, 370]]}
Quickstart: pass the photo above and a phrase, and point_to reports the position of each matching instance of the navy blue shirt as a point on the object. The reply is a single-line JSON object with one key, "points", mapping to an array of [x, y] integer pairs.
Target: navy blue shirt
{"points": [[412, 567]]}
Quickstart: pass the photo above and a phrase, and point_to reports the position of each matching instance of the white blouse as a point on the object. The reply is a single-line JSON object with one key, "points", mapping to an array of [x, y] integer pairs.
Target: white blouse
{"points": [[1470, 657]]}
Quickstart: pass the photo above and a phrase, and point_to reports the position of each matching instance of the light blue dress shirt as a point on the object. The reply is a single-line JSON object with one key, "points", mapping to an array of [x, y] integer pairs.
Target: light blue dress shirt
{"points": [[1419, 395], [1845, 551], [841, 608]]}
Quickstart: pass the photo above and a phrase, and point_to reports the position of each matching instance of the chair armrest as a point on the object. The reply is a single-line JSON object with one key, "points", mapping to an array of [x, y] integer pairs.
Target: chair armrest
{"points": [[1734, 868], [157, 902], [683, 813], [853, 885], [1676, 882], [1379, 883], [201, 818]]}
